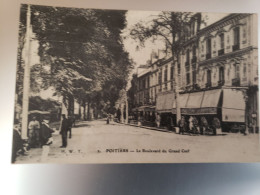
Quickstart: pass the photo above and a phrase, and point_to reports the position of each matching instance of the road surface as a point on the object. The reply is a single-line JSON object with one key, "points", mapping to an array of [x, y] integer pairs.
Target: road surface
{"points": [[98, 142]]}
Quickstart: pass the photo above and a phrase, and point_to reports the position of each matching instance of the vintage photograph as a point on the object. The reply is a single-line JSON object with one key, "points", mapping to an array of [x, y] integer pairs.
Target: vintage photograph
{"points": [[125, 86]]}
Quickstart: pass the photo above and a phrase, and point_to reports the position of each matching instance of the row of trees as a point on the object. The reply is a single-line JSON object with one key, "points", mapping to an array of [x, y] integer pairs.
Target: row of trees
{"points": [[81, 55]]}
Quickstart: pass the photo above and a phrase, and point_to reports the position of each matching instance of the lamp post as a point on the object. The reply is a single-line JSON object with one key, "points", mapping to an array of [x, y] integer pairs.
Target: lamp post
{"points": [[26, 80]]}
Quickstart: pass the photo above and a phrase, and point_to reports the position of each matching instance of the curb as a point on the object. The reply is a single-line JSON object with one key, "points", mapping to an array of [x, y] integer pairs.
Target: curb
{"points": [[146, 127]]}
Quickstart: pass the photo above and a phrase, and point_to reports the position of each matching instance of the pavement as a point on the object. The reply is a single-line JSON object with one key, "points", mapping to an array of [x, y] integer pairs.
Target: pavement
{"points": [[98, 142]]}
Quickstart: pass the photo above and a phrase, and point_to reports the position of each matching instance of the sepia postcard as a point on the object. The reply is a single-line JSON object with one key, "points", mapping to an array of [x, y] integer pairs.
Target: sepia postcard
{"points": [[123, 86]]}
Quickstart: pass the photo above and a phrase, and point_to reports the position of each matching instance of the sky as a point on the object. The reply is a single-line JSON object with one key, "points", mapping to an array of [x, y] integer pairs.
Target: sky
{"points": [[141, 56]]}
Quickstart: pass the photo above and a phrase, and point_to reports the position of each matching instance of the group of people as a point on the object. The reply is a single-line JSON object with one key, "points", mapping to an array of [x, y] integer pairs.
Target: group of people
{"points": [[193, 126], [39, 134]]}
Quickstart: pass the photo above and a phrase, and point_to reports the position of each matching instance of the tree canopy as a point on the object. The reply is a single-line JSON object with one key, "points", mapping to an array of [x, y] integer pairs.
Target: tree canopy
{"points": [[81, 53]]}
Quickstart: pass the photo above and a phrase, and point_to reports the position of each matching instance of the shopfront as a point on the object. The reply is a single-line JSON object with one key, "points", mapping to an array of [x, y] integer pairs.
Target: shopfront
{"points": [[227, 105]]}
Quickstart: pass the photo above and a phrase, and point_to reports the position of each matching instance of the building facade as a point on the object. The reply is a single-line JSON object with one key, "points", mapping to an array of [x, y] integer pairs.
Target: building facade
{"points": [[218, 74]]}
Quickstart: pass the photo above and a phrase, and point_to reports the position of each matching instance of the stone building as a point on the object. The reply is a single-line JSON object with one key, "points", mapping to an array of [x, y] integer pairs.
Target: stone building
{"points": [[218, 75]]}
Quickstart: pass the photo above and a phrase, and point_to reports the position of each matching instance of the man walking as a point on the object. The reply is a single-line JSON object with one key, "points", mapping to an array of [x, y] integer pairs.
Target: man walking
{"points": [[64, 131]]}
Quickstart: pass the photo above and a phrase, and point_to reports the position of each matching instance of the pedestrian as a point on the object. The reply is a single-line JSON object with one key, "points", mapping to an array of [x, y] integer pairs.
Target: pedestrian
{"points": [[70, 124], [34, 133], [216, 125], [46, 133], [195, 125], [18, 144], [182, 125], [191, 126], [64, 131], [108, 119], [204, 125]]}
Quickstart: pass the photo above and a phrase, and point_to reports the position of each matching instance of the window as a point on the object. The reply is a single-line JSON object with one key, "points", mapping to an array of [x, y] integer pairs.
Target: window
{"points": [[165, 77], [194, 75], [194, 59], [187, 75], [236, 79], [209, 78], [236, 71], [236, 38], [221, 76], [208, 49], [221, 39], [188, 57], [222, 44], [179, 64], [193, 28], [160, 80], [172, 72]]}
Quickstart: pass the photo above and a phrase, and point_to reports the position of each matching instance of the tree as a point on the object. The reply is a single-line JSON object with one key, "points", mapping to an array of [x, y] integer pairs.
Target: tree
{"points": [[81, 53], [174, 29]]}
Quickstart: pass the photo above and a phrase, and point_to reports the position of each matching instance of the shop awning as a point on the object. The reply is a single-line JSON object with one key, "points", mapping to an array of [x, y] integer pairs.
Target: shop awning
{"points": [[233, 107], [164, 102], [193, 104], [210, 102], [145, 108]]}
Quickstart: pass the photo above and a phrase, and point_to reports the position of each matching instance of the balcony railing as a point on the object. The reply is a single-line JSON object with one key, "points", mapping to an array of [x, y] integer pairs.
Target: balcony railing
{"points": [[194, 59], [208, 56], [236, 82], [235, 47], [220, 52]]}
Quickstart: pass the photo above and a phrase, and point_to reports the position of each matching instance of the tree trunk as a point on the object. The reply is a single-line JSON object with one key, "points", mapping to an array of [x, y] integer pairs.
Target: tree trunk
{"points": [[122, 113], [176, 89], [79, 110], [88, 112], [84, 111], [126, 111], [70, 105]]}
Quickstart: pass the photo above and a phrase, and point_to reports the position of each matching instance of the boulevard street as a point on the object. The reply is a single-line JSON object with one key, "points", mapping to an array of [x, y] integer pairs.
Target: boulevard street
{"points": [[96, 141]]}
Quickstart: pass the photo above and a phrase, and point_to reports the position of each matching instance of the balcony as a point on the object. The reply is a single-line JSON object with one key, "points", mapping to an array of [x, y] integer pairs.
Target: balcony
{"points": [[208, 56], [236, 82], [220, 52], [235, 47], [194, 60]]}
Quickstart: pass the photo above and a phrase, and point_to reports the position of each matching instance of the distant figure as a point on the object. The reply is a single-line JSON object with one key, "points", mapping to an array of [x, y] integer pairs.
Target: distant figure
{"points": [[18, 143], [34, 133], [70, 124], [195, 123], [204, 125], [46, 133], [64, 131], [182, 125], [216, 125], [191, 126], [108, 119]]}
